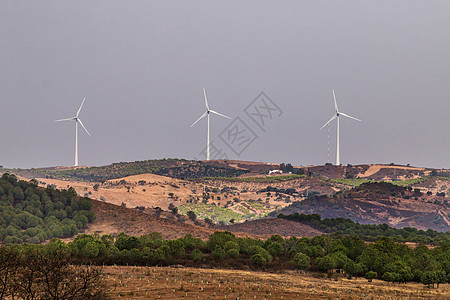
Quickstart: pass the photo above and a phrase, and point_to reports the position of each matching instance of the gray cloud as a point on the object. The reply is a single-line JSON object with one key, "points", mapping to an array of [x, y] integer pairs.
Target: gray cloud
{"points": [[142, 66]]}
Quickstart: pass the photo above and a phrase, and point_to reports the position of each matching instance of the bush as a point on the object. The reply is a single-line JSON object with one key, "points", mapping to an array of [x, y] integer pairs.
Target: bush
{"points": [[219, 239], [258, 260], [371, 275], [302, 261], [231, 245], [218, 253], [197, 255], [327, 263], [233, 253], [392, 277], [262, 252]]}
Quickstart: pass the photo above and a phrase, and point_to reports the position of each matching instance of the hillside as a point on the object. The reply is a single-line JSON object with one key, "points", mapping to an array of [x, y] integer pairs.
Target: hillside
{"points": [[375, 203], [113, 219], [375, 172], [219, 199], [176, 168], [227, 191], [273, 226], [32, 214]]}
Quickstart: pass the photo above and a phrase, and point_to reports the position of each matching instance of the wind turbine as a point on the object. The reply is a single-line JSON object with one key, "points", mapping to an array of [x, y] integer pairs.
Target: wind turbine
{"points": [[208, 111], [77, 120], [337, 115]]}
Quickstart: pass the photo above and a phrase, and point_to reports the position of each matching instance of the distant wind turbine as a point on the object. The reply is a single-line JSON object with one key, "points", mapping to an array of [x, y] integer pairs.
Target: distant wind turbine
{"points": [[77, 120], [337, 115], [207, 114]]}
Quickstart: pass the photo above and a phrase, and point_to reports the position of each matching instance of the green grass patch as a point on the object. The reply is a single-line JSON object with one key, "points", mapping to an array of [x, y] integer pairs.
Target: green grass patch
{"points": [[243, 209], [410, 182], [215, 213], [257, 206], [351, 182]]}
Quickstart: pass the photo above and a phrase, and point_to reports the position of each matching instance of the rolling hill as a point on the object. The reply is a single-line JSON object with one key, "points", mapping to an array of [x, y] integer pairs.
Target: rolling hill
{"points": [[379, 202], [227, 191]]}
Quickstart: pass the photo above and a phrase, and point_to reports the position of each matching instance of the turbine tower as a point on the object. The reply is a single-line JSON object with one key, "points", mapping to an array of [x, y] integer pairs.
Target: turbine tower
{"points": [[77, 120], [337, 115], [208, 111]]}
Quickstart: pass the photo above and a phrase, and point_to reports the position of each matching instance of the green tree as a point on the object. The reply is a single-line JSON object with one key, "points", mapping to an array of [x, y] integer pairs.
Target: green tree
{"points": [[371, 275], [302, 261], [233, 253], [327, 263], [258, 260], [90, 250], [197, 255], [125, 242], [352, 268], [392, 277], [218, 253], [429, 278]]}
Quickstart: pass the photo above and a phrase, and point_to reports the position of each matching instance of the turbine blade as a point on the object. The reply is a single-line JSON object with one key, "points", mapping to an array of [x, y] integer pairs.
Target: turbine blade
{"points": [[68, 119], [78, 112], [332, 118], [335, 102], [199, 118], [81, 123], [219, 114], [345, 115], [206, 100]]}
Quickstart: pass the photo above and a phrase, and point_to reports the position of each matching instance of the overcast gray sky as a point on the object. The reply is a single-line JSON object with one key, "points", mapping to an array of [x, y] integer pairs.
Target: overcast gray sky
{"points": [[142, 66]]}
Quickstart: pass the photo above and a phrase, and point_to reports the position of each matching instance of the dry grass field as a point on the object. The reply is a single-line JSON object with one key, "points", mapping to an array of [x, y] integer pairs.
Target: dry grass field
{"points": [[191, 283]]}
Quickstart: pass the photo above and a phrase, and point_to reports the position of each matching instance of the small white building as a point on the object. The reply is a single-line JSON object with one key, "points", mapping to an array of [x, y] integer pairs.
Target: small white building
{"points": [[271, 172]]}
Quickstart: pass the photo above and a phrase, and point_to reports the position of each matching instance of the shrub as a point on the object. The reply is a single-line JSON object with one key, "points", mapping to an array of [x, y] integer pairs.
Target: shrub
{"points": [[218, 253], [302, 261], [392, 277], [261, 251], [231, 245], [371, 275], [233, 253], [219, 239], [197, 255], [258, 260]]}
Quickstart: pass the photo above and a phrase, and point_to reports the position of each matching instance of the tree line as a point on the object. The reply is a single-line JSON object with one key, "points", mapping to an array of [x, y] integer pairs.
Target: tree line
{"points": [[349, 255], [369, 232]]}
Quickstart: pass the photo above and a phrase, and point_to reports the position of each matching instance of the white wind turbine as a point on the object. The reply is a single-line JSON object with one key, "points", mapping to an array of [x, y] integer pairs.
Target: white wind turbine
{"points": [[207, 114], [77, 120], [337, 115]]}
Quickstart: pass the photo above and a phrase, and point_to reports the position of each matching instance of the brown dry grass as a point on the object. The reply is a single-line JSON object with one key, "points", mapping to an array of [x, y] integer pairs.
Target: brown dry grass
{"points": [[373, 169], [153, 193], [192, 283]]}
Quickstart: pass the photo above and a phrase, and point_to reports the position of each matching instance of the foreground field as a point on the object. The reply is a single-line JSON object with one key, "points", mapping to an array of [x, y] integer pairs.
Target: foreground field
{"points": [[191, 283]]}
